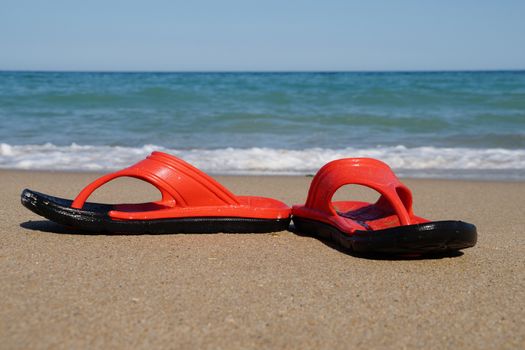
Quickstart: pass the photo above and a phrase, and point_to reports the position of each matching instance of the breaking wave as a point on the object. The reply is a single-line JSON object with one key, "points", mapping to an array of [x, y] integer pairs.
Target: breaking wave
{"points": [[491, 163]]}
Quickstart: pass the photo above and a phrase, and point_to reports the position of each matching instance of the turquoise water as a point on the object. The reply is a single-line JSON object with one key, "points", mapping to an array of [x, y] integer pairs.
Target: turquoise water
{"points": [[421, 123]]}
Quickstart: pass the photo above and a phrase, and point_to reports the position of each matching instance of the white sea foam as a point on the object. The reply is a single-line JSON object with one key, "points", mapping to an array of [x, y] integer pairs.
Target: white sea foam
{"points": [[417, 161]]}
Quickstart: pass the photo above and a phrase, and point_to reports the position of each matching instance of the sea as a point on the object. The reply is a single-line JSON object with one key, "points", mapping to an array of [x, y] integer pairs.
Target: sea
{"points": [[457, 125]]}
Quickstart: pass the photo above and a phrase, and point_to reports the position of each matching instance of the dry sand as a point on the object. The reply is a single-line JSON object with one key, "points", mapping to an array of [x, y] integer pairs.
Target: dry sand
{"points": [[226, 291]]}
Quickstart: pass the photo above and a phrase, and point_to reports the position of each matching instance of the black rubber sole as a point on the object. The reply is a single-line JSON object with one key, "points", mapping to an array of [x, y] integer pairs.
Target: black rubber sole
{"points": [[93, 217], [428, 238]]}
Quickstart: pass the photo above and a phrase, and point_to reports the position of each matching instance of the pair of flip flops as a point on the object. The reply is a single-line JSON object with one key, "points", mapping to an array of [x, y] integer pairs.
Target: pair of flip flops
{"points": [[193, 202]]}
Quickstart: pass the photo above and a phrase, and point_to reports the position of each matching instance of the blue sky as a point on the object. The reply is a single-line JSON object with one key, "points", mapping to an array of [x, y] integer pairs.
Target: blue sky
{"points": [[206, 35]]}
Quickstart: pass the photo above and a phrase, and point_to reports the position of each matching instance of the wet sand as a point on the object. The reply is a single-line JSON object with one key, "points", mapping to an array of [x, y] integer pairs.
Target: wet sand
{"points": [[236, 291]]}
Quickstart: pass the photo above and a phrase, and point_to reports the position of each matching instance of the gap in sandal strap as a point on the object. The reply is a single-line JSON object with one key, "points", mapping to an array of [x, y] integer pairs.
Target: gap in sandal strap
{"points": [[360, 209], [126, 190], [358, 193]]}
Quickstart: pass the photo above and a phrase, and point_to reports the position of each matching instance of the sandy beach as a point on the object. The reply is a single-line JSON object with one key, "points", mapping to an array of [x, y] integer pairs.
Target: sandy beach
{"points": [[224, 291]]}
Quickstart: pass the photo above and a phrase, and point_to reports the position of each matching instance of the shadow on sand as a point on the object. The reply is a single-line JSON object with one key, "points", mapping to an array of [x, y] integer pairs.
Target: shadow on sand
{"points": [[52, 227]]}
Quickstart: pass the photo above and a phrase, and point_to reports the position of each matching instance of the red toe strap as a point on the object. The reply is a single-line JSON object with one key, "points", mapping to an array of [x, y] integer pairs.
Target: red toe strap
{"points": [[180, 183], [360, 171]]}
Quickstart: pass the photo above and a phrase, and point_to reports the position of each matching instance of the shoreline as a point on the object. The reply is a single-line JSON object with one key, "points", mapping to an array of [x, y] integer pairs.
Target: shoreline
{"points": [[281, 290], [222, 175]]}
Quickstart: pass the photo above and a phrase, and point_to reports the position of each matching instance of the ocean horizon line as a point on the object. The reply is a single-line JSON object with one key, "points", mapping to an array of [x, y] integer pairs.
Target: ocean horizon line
{"points": [[401, 71]]}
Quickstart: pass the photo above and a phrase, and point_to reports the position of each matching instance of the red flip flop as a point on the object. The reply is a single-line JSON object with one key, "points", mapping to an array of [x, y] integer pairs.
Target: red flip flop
{"points": [[192, 202], [387, 226]]}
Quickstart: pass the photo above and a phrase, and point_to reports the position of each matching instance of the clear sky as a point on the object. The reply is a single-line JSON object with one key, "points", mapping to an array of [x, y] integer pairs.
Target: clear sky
{"points": [[204, 35]]}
